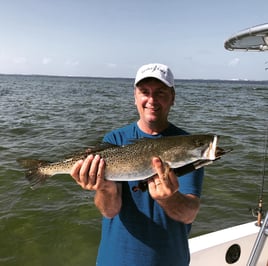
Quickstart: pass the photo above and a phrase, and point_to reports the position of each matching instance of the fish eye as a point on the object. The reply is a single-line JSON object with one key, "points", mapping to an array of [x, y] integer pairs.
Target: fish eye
{"points": [[199, 143]]}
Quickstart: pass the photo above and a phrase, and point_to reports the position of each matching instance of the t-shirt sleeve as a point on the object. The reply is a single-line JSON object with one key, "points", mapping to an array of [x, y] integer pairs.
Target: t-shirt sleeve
{"points": [[191, 183], [121, 136], [109, 138]]}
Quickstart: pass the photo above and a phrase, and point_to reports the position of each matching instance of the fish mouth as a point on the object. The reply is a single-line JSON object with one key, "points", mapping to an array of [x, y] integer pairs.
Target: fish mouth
{"points": [[210, 152]]}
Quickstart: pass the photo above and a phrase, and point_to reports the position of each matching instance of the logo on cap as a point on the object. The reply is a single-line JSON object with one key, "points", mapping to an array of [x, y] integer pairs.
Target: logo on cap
{"points": [[158, 71]]}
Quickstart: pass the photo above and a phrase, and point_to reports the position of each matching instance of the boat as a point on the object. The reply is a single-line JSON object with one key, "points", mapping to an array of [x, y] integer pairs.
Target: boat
{"points": [[245, 244]]}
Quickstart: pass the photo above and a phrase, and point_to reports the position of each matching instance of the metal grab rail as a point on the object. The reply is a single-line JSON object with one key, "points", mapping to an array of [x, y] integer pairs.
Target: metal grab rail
{"points": [[259, 243]]}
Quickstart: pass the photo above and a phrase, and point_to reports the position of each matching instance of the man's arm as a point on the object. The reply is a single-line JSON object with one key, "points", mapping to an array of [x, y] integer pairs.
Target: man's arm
{"points": [[108, 201], [164, 189], [89, 174], [180, 207]]}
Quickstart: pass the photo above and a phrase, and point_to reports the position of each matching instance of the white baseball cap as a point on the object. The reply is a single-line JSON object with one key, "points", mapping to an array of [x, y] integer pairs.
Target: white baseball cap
{"points": [[158, 71]]}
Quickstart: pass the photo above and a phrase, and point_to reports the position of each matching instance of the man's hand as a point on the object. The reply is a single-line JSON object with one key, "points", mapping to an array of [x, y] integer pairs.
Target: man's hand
{"points": [[165, 183], [164, 186], [89, 174]]}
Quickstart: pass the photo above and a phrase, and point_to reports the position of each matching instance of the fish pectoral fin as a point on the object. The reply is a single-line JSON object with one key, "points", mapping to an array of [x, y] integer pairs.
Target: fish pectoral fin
{"points": [[100, 147], [142, 186]]}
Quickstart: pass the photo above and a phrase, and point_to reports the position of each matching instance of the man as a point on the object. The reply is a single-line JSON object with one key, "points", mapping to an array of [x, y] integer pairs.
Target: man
{"points": [[144, 228]]}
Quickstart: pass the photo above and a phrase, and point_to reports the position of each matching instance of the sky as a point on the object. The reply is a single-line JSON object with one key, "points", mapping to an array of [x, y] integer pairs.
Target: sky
{"points": [[113, 38]]}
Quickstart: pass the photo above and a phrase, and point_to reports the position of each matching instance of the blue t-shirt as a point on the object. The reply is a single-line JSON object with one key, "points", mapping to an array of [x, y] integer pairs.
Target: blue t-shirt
{"points": [[142, 234]]}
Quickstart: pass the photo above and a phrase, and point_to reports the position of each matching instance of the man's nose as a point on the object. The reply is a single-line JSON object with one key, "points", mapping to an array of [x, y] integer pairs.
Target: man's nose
{"points": [[152, 98]]}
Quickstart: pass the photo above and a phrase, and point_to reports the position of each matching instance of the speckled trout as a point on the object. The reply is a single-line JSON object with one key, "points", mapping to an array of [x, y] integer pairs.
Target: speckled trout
{"points": [[134, 161]]}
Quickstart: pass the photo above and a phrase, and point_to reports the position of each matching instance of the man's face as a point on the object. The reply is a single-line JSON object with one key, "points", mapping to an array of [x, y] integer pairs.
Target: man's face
{"points": [[153, 100]]}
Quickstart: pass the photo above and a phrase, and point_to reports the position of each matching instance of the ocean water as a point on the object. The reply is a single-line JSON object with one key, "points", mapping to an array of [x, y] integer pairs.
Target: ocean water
{"points": [[51, 117]]}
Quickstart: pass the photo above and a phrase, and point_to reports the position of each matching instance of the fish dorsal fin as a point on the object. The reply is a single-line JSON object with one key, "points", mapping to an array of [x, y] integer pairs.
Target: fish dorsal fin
{"points": [[100, 147], [91, 150], [143, 139]]}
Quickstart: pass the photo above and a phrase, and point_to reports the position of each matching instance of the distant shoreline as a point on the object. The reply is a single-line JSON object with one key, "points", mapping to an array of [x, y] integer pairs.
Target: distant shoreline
{"points": [[127, 78]]}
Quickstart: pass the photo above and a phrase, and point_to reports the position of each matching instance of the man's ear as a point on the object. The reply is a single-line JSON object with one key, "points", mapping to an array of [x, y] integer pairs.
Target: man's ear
{"points": [[173, 95], [135, 96]]}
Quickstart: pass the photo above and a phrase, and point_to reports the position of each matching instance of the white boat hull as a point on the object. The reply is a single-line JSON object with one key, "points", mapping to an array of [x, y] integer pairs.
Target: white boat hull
{"points": [[212, 249]]}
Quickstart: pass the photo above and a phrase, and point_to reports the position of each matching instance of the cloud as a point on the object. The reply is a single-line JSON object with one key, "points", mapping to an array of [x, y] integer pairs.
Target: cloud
{"points": [[71, 63], [234, 62], [46, 60], [19, 60], [111, 65]]}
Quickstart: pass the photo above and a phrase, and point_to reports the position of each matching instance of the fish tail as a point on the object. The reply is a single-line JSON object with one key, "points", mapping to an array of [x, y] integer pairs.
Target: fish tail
{"points": [[33, 171]]}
